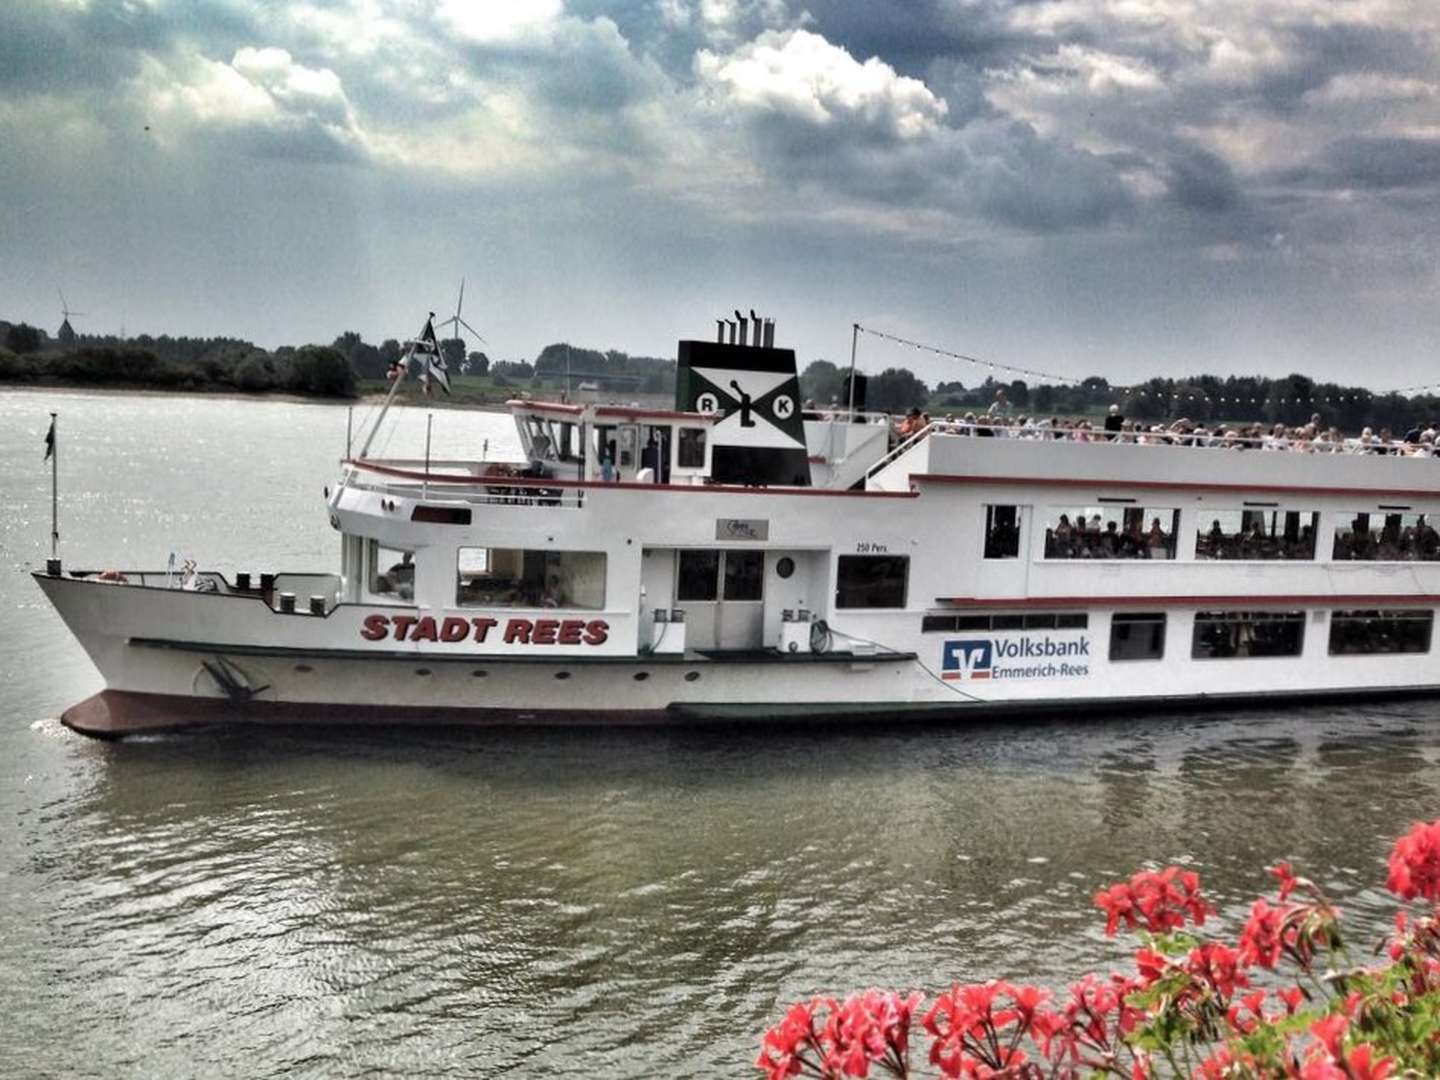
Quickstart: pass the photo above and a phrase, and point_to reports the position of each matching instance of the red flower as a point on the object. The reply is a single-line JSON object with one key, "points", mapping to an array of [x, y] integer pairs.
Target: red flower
{"points": [[1162, 900], [1415, 863], [1329, 1030], [1288, 881], [1361, 1067], [1260, 940], [1218, 965]]}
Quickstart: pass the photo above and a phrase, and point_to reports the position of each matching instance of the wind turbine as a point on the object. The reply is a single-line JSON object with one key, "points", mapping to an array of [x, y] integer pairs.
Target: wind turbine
{"points": [[455, 322], [66, 330]]}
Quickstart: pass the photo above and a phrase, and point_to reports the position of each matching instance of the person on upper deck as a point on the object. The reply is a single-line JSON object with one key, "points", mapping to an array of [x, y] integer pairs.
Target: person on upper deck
{"points": [[1114, 422]]}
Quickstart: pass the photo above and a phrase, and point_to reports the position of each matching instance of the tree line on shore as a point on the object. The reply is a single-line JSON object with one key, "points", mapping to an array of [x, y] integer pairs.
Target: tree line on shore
{"points": [[341, 369]]}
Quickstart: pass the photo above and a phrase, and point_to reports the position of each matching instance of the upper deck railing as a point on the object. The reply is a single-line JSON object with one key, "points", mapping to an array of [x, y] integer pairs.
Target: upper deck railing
{"points": [[1198, 439]]}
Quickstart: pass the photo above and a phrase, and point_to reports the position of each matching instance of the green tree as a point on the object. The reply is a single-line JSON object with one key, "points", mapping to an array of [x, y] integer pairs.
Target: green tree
{"points": [[322, 371], [23, 338], [479, 363], [822, 382], [896, 390]]}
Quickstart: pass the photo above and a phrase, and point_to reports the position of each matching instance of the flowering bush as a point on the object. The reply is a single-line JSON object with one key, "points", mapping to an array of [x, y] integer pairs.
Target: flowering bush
{"points": [[1284, 1000]]}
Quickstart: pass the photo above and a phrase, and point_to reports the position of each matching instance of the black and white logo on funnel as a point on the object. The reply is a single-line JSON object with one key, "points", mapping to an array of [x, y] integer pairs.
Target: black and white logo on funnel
{"points": [[755, 404]]}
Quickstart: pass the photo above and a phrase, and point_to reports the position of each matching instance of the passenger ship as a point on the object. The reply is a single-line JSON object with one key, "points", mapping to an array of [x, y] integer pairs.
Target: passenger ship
{"points": [[738, 558]]}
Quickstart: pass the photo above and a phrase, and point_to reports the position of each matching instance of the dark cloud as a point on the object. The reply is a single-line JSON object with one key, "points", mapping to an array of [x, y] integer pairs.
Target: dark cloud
{"points": [[1381, 163], [1029, 183], [1203, 181]]}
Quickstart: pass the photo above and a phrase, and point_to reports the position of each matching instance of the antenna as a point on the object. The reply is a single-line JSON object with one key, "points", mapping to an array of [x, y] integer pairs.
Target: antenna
{"points": [[455, 322]]}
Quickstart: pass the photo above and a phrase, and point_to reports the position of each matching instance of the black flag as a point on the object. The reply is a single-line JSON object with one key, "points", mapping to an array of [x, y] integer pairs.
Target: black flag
{"points": [[50, 439]]}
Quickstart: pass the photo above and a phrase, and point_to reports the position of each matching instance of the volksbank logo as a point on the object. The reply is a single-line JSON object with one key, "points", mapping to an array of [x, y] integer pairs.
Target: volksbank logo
{"points": [[966, 659], [987, 658]]}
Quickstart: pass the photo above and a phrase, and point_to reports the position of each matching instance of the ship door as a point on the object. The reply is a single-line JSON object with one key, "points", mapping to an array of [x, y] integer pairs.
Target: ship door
{"points": [[723, 595]]}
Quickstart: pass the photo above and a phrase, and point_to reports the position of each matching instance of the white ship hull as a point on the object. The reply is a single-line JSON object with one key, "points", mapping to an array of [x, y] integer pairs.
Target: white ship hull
{"points": [[946, 583]]}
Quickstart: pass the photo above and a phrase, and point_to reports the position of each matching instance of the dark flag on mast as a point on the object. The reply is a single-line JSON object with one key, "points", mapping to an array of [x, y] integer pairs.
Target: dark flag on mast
{"points": [[50, 439], [429, 349]]}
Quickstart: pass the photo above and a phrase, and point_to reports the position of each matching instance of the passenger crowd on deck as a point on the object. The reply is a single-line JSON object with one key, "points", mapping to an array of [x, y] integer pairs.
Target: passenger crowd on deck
{"points": [[1098, 539], [1313, 437]]}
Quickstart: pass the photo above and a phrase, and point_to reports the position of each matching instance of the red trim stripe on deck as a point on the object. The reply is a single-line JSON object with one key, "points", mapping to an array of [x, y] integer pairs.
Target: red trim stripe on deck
{"points": [[1250, 600], [1170, 485]]}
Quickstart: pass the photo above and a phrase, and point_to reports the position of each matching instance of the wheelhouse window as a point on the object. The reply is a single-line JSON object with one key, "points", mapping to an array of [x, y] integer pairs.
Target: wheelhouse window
{"points": [[690, 449], [871, 581], [1030, 620], [1221, 635], [390, 571], [1387, 537], [1256, 534], [1137, 635], [698, 577], [744, 575], [1356, 633], [522, 578], [1111, 532], [1002, 532]]}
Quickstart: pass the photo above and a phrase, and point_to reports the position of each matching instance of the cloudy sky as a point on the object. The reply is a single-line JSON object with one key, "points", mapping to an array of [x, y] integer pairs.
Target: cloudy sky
{"points": [[1126, 187]]}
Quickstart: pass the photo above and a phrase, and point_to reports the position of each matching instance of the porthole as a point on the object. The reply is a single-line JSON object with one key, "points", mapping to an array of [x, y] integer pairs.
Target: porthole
{"points": [[641, 676], [479, 673], [422, 671], [692, 676], [785, 567], [304, 669], [562, 675]]}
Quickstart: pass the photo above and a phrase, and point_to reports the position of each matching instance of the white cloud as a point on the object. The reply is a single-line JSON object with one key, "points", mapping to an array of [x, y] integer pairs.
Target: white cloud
{"points": [[501, 22], [799, 74], [263, 90]]}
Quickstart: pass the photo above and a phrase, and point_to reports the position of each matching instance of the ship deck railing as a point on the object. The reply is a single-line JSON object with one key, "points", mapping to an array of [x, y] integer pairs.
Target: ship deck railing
{"points": [[464, 482], [1207, 440]]}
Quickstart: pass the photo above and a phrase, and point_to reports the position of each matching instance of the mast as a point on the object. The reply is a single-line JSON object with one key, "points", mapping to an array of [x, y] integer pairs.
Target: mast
{"points": [[54, 487]]}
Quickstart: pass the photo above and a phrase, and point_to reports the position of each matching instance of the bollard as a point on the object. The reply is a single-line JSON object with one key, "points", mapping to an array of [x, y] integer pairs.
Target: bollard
{"points": [[317, 605], [267, 582], [287, 602], [242, 580]]}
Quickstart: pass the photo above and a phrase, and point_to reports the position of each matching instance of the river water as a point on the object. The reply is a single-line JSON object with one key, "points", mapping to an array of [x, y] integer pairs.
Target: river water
{"points": [[338, 903]]}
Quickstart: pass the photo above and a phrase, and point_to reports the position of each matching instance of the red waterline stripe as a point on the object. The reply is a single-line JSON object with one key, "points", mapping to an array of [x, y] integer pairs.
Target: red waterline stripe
{"points": [[500, 482]]}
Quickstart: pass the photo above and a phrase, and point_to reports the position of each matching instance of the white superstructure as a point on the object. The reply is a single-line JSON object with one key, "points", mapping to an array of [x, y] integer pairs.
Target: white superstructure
{"points": [[610, 579]]}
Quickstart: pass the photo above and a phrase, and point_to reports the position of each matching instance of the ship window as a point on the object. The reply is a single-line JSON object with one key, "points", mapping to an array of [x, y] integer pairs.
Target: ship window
{"points": [[1043, 620], [1256, 534], [1234, 634], [519, 578], [1111, 532], [1002, 532], [871, 581], [699, 577], [1353, 633], [744, 575], [690, 452], [1137, 636], [1387, 537], [390, 571]]}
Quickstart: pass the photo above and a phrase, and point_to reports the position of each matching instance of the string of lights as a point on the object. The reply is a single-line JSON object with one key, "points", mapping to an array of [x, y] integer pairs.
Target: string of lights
{"points": [[1141, 389]]}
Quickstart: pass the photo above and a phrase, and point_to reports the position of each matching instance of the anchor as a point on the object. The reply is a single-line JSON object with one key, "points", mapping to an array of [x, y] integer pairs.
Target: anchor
{"points": [[234, 682]]}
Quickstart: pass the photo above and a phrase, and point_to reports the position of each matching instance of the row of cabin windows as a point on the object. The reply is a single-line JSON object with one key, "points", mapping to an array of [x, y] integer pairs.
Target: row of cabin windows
{"points": [[500, 577], [1218, 635], [1115, 531], [623, 444]]}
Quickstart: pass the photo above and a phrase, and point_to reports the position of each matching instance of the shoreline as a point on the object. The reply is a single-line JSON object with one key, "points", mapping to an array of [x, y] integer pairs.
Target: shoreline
{"points": [[139, 390]]}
